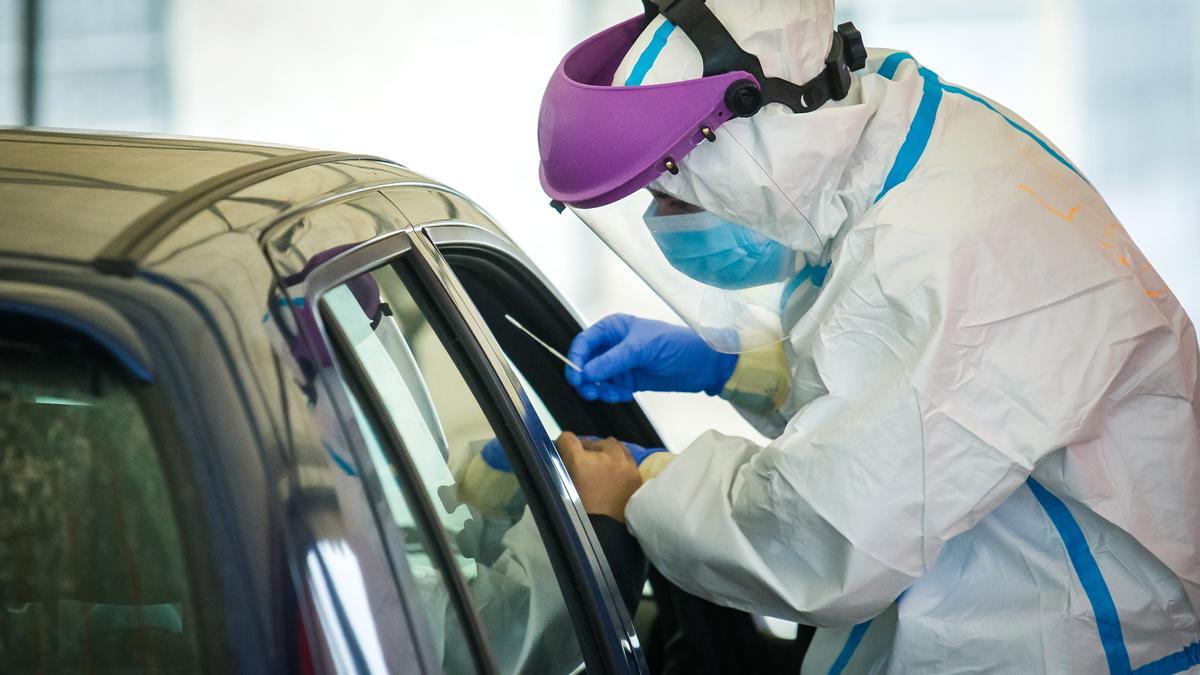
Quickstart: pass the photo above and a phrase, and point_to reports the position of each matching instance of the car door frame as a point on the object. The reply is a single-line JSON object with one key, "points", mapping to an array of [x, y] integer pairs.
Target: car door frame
{"points": [[555, 479], [553, 482], [461, 233], [605, 647]]}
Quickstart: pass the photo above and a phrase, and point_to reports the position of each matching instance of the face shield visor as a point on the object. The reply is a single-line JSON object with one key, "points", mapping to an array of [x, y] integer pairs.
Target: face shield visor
{"points": [[667, 176], [730, 283]]}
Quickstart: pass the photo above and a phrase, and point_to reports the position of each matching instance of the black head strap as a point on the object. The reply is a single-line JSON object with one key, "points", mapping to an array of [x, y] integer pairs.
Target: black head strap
{"points": [[722, 54], [650, 9]]}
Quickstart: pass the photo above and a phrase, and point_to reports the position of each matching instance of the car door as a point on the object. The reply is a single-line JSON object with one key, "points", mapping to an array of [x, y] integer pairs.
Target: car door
{"points": [[518, 585], [675, 629]]}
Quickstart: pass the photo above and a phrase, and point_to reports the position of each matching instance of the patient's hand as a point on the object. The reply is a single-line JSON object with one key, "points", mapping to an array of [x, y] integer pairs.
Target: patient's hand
{"points": [[604, 472]]}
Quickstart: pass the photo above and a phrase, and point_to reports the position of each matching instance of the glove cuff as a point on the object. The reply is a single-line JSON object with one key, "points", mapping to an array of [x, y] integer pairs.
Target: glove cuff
{"points": [[654, 464], [761, 383], [723, 367], [639, 453]]}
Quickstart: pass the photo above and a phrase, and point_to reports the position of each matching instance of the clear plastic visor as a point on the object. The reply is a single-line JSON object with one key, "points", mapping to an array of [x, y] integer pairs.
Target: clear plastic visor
{"points": [[730, 283], [721, 242]]}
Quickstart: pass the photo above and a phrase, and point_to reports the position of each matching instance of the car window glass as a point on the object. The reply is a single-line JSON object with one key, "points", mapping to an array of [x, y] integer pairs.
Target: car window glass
{"points": [[464, 473], [92, 571], [539, 407]]}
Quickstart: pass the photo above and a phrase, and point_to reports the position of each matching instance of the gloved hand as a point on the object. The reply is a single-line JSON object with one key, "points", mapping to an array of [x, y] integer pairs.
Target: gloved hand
{"points": [[623, 354], [493, 455]]}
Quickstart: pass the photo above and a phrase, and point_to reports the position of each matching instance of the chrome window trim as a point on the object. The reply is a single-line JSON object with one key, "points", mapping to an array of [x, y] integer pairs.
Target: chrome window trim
{"points": [[451, 191], [335, 197], [361, 258]]}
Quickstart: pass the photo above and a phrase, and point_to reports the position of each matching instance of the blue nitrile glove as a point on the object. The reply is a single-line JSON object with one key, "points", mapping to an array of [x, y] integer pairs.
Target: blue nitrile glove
{"points": [[638, 452], [623, 354], [493, 455]]}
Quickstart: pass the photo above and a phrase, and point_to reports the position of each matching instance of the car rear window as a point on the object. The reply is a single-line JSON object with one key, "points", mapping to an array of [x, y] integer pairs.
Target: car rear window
{"points": [[92, 570]]}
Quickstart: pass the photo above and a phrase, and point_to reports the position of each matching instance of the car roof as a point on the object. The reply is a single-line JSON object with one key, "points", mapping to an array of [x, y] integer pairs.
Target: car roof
{"points": [[111, 198], [68, 195]]}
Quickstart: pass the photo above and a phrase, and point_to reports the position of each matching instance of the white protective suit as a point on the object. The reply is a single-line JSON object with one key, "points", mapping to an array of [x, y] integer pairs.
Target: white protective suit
{"points": [[987, 455]]}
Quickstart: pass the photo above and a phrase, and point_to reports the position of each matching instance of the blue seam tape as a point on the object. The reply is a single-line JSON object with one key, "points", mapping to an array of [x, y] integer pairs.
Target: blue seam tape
{"points": [[646, 61], [298, 302], [918, 134], [340, 461], [891, 63], [1036, 139], [1178, 662], [922, 124], [1108, 624], [852, 642], [815, 273]]}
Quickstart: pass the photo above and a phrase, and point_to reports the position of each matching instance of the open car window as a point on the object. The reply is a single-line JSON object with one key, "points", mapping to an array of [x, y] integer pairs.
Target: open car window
{"points": [[500, 285]]}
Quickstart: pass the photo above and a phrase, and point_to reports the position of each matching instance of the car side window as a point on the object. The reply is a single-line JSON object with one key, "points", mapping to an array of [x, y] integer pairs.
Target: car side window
{"points": [[92, 566], [411, 390]]}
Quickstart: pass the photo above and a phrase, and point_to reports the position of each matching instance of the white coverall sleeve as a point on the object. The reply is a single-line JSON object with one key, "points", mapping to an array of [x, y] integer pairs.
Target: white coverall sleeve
{"points": [[825, 526]]}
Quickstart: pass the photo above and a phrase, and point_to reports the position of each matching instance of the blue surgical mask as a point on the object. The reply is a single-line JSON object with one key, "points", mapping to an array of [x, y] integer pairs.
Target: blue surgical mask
{"points": [[719, 253]]}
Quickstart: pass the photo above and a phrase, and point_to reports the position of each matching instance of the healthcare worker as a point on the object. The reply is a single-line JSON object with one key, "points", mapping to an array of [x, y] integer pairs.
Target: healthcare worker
{"points": [[982, 398]]}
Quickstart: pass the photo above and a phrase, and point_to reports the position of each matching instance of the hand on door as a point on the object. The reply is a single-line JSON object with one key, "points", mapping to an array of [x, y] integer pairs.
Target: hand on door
{"points": [[605, 473]]}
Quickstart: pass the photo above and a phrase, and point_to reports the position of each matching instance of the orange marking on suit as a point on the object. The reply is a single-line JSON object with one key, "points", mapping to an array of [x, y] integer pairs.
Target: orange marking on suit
{"points": [[1068, 216]]}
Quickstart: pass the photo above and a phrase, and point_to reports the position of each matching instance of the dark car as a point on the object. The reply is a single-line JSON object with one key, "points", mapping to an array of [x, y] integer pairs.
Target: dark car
{"points": [[245, 395]]}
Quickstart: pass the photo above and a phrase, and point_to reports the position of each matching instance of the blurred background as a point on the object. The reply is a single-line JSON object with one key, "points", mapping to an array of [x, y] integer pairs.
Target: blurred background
{"points": [[452, 89]]}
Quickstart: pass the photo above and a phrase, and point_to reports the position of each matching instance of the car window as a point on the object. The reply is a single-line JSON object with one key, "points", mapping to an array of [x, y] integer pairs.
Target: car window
{"points": [[92, 569], [549, 422], [496, 548]]}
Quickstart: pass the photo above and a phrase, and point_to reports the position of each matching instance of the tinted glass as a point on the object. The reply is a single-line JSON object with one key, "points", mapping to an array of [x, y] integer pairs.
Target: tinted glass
{"points": [[495, 545], [92, 573]]}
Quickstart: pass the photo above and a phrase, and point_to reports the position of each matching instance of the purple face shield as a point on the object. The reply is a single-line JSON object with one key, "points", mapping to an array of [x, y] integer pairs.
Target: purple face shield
{"points": [[600, 143]]}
